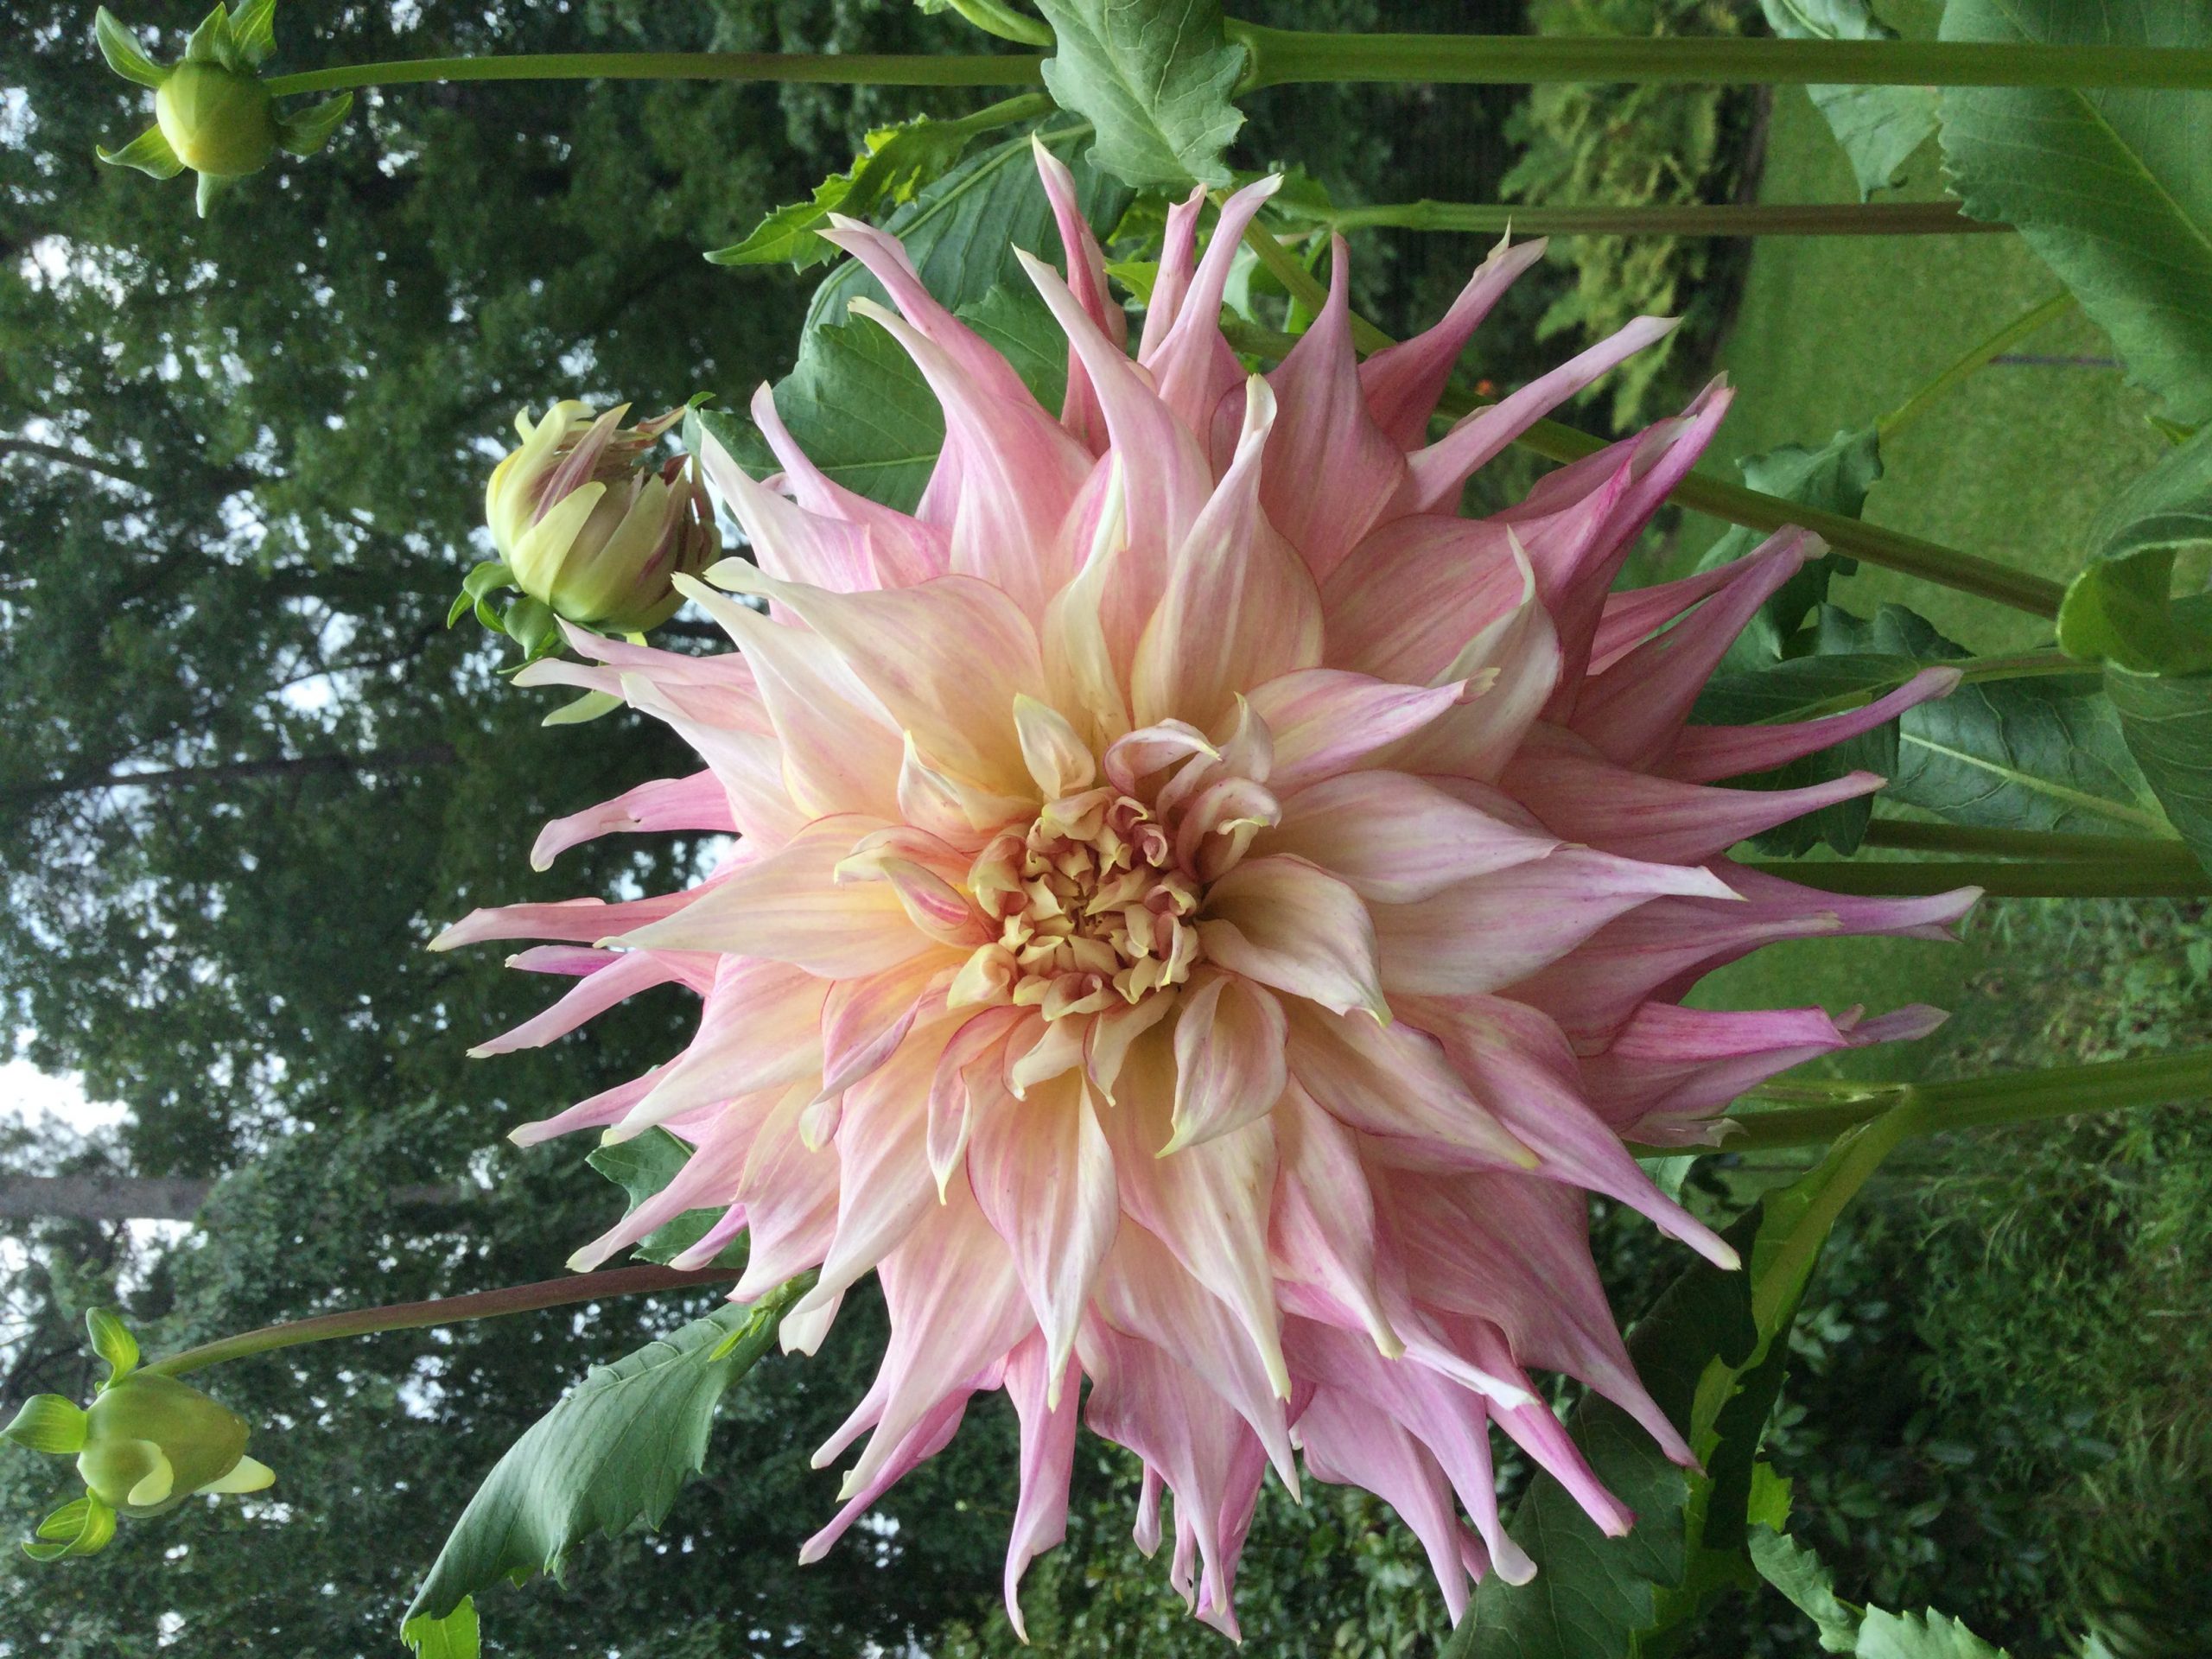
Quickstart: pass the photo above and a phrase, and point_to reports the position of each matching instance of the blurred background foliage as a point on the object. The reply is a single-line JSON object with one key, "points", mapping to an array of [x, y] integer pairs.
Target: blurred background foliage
{"points": [[243, 460]]}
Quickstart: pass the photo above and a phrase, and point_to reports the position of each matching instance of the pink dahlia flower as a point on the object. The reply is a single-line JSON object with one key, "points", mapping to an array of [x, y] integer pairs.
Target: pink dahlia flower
{"points": [[1202, 914]]}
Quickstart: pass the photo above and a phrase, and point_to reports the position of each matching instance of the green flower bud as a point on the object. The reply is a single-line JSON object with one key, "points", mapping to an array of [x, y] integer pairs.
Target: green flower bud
{"points": [[217, 121], [151, 1441], [591, 527]]}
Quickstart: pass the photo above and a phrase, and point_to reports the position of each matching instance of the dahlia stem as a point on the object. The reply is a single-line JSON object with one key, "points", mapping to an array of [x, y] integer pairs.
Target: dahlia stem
{"points": [[1947, 567], [2003, 340], [847, 68], [1990, 1102], [994, 17], [1282, 57], [2046, 878], [443, 1310], [1858, 1155], [2148, 851], [1695, 219]]}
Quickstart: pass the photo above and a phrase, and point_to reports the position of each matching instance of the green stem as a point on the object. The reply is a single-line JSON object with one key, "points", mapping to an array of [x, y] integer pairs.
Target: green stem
{"points": [[1990, 1102], [1945, 566], [2025, 665], [1859, 1156], [1694, 219], [2003, 340], [1282, 57], [2147, 851], [848, 68], [994, 17], [445, 1310], [2048, 878]]}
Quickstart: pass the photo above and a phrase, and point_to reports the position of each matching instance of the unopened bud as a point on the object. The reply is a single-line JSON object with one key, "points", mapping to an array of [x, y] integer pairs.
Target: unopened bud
{"points": [[589, 525], [217, 121]]}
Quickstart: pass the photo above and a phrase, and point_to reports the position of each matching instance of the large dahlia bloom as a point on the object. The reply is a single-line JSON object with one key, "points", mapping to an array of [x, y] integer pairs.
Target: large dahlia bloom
{"points": [[1202, 915]]}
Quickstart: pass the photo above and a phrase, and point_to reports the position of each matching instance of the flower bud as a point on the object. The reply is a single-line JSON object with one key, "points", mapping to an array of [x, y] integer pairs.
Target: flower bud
{"points": [[217, 121], [586, 522]]}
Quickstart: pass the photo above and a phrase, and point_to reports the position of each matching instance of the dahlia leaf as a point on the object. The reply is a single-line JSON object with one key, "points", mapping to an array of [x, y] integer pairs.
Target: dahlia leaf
{"points": [[2167, 724], [1879, 127], [1806, 1581], [454, 1637], [1835, 478], [2111, 187], [2121, 610], [1914, 1635], [2042, 754], [1154, 77], [642, 1166], [962, 231], [614, 1452], [1712, 1350]]}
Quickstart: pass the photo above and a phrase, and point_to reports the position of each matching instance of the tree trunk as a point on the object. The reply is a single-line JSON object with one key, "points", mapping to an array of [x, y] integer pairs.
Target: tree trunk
{"points": [[142, 1198], [432, 754]]}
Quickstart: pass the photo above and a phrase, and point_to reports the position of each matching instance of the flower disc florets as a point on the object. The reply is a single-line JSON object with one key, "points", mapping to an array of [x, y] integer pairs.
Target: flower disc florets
{"points": [[1202, 915]]}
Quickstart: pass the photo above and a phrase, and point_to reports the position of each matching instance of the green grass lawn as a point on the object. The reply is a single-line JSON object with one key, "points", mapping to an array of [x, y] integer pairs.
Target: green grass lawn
{"points": [[1835, 332]]}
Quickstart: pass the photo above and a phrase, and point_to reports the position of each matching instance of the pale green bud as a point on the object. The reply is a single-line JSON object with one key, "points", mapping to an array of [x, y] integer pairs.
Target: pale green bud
{"points": [[216, 121]]}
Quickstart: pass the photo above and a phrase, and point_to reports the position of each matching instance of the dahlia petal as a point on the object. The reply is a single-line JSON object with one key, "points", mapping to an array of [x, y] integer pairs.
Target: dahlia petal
{"points": [[1348, 1442], [1106, 1044], [760, 1029], [585, 921], [1402, 383], [790, 1191], [946, 659], [1621, 811], [1060, 761], [708, 1181], [1044, 1177], [1405, 602], [864, 1021], [1229, 1058], [1393, 839], [1491, 930], [1086, 279], [924, 1441], [1295, 928], [904, 550], [787, 540], [1703, 754], [1179, 260], [1008, 470], [1542, 1435], [1330, 469], [1325, 720], [750, 766], [1630, 618], [886, 261], [607, 1107], [1228, 619], [840, 749], [788, 907], [1638, 707], [621, 977], [1393, 1082], [1082, 665], [969, 1078], [1322, 1224], [1048, 1404], [693, 802], [1436, 473], [1192, 364]]}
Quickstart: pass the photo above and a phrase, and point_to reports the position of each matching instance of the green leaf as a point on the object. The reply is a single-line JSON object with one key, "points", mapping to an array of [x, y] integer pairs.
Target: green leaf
{"points": [[1805, 1579], [1911, 1636], [2167, 725], [2111, 186], [149, 152], [1712, 1351], [49, 1422], [454, 1637], [858, 406], [1155, 78], [592, 705], [641, 1167], [113, 1343], [211, 42], [84, 1526], [613, 1452], [2040, 754], [2121, 609], [962, 232], [253, 30], [1879, 127], [307, 131], [123, 54], [894, 163]]}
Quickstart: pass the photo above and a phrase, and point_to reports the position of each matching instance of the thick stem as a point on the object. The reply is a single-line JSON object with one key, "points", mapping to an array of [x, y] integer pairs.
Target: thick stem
{"points": [[1945, 566], [445, 1310], [1990, 1102], [1280, 57], [995, 17], [2149, 852], [2048, 878], [848, 68], [2003, 340], [1694, 218]]}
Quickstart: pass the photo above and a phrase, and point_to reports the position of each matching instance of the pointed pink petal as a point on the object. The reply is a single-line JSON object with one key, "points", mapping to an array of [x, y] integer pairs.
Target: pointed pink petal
{"points": [[1349, 1442], [1402, 383], [1393, 839], [761, 1030], [1702, 754], [1322, 1226], [1049, 1408], [1325, 721], [1290, 926], [693, 802], [585, 921], [904, 549], [1179, 260], [1229, 1057], [1395, 1084], [1631, 617], [1192, 364], [623, 977], [601, 1109]]}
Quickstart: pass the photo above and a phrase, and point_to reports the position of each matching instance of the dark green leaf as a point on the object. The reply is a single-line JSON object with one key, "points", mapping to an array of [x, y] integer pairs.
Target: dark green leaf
{"points": [[149, 152], [454, 1637], [306, 132], [962, 232], [641, 1167], [1155, 78], [1879, 127], [2121, 609], [1805, 1579], [2167, 724], [2111, 187], [613, 1452]]}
